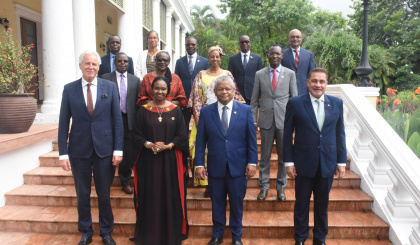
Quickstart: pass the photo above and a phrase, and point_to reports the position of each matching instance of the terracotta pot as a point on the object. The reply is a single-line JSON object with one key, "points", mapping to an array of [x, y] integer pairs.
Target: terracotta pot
{"points": [[17, 112]]}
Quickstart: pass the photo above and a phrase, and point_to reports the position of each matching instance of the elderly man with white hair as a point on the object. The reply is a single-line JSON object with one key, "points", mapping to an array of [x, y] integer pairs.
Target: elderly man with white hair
{"points": [[95, 142]]}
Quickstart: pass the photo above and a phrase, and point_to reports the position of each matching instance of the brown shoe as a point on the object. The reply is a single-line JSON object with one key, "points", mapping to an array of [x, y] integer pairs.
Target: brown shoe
{"points": [[207, 192], [127, 189]]}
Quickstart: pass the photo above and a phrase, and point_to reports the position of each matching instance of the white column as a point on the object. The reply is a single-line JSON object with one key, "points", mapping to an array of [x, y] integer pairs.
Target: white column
{"points": [[156, 16], [58, 59], [177, 50], [127, 28], [83, 28], [137, 31], [184, 33], [168, 47]]}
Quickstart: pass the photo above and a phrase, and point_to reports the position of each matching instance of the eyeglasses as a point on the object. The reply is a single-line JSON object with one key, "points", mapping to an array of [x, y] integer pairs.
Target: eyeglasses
{"points": [[114, 42], [122, 61], [162, 60], [292, 37], [243, 42]]}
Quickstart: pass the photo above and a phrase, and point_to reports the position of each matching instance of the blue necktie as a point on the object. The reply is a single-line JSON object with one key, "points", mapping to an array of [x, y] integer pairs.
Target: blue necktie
{"points": [[245, 61], [123, 95], [225, 119], [113, 63]]}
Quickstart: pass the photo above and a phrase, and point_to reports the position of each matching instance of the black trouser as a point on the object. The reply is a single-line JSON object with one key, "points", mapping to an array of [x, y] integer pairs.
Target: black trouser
{"points": [[124, 169], [187, 117]]}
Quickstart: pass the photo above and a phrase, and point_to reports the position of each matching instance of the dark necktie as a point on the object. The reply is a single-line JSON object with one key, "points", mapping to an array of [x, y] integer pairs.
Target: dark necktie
{"points": [[190, 65], [296, 57], [225, 119], [274, 82], [123, 95], [245, 61], [89, 99]]}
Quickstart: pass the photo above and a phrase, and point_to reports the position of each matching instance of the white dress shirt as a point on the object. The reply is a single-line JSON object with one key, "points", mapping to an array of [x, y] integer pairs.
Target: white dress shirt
{"points": [[194, 58], [247, 56], [94, 91], [315, 106], [294, 53], [119, 82]]}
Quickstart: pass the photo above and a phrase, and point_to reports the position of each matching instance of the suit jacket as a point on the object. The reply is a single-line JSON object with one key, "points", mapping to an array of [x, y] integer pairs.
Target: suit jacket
{"points": [[272, 104], [181, 69], [133, 88], [245, 78], [102, 132], [105, 66], [311, 146], [306, 64], [237, 148]]}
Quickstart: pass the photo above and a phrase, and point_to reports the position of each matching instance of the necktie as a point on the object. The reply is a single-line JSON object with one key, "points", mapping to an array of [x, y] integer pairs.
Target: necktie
{"points": [[113, 63], [89, 100], [296, 57], [190, 65], [123, 95], [225, 119], [321, 114], [245, 61], [274, 82]]}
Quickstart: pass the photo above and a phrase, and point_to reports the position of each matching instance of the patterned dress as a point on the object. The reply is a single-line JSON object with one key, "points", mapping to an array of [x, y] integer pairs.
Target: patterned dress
{"points": [[176, 93], [202, 94], [151, 63]]}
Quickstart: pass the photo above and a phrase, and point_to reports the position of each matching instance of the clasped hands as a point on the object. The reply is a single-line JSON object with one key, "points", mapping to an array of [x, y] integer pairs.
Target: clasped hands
{"points": [[158, 146]]}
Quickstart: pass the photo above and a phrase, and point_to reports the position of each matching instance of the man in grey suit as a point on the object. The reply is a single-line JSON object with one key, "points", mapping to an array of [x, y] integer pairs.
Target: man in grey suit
{"points": [[128, 87], [273, 87]]}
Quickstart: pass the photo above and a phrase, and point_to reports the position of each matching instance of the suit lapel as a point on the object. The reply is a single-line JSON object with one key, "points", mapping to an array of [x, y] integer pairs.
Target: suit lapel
{"points": [[280, 79], [233, 116], [216, 118], [101, 90], [239, 60], [80, 96], [268, 79], [290, 54], [310, 110], [327, 109]]}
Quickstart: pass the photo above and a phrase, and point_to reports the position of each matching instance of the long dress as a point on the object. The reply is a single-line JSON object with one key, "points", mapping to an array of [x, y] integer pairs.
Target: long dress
{"points": [[160, 179], [202, 94], [177, 91]]}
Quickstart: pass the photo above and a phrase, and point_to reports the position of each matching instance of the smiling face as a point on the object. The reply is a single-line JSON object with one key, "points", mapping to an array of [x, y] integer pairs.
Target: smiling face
{"points": [[244, 43], [121, 63], [89, 67], [317, 84], [295, 39], [191, 45], [114, 44], [160, 89], [274, 55], [153, 40], [224, 92], [162, 61], [215, 59]]}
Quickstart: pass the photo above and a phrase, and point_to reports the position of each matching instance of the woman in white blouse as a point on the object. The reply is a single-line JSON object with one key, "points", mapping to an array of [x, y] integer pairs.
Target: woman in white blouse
{"points": [[146, 62]]}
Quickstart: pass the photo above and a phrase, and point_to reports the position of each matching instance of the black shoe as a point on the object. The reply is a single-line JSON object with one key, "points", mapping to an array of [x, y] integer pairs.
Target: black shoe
{"points": [[107, 240], [299, 243], [318, 242], [127, 189], [236, 242], [85, 240], [207, 192], [262, 195], [215, 241], [281, 196]]}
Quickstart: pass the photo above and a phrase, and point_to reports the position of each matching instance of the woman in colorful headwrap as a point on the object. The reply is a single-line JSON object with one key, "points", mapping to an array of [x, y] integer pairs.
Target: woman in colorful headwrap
{"points": [[202, 94]]}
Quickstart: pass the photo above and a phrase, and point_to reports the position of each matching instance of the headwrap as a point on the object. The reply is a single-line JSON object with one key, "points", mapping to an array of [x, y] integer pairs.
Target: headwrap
{"points": [[219, 49]]}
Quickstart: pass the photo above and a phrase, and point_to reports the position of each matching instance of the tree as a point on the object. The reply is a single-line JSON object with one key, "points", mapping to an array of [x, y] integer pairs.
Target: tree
{"points": [[202, 16]]}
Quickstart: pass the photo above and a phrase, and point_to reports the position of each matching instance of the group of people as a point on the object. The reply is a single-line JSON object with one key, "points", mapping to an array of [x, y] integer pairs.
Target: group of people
{"points": [[141, 123]]}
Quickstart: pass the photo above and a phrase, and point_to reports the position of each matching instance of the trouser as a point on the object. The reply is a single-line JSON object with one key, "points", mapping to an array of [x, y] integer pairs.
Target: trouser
{"points": [[126, 165]]}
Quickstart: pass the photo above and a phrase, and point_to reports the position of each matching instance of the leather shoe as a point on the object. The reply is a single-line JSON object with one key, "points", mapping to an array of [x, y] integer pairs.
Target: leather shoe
{"points": [[299, 243], [236, 242], [107, 240], [262, 195], [127, 189], [207, 192], [318, 242], [215, 241], [281, 196], [85, 240]]}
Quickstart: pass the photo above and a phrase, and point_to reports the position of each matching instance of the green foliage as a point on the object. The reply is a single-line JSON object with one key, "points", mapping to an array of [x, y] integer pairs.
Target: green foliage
{"points": [[202, 16], [322, 18], [406, 79], [414, 143]]}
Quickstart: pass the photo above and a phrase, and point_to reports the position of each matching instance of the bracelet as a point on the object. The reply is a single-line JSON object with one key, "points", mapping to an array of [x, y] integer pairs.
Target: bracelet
{"points": [[171, 145], [147, 144]]}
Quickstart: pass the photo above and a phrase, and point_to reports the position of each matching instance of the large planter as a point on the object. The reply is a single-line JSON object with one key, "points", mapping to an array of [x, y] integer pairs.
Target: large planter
{"points": [[17, 112]]}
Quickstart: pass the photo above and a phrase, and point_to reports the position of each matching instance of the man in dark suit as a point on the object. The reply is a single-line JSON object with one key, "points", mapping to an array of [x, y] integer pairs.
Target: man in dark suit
{"points": [[95, 143], [128, 86], [227, 128], [316, 154], [187, 69], [107, 61], [243, 67], [299, 60], [273, 87]]}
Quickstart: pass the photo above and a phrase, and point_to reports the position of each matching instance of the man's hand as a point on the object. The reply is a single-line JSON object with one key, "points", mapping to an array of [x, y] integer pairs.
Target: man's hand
{"points": [[340, 171], [291, 172], [250, 171], [257, 129], [200, 173], [116, 160], [65, 164]]}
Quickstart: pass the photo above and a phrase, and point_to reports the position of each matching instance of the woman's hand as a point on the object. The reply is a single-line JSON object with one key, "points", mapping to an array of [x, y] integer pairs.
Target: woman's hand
{"points": [[175, 102]]}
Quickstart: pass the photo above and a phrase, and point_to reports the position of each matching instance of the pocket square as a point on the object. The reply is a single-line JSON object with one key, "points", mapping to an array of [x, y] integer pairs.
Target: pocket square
{"points": [[104, 96]]}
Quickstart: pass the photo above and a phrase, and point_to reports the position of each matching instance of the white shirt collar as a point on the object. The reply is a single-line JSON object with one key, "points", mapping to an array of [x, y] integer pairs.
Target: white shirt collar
{"points": [[194, 55], [247, 53], [229, 105], [119, 74], [94, 82], [298, 49], [313, 98]]}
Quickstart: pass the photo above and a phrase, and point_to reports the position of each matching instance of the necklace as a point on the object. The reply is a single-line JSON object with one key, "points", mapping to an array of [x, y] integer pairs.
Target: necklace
{"points": [[160, 114]]}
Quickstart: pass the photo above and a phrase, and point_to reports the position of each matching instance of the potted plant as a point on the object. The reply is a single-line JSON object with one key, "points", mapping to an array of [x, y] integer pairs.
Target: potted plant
{"points": [[17, 105]]}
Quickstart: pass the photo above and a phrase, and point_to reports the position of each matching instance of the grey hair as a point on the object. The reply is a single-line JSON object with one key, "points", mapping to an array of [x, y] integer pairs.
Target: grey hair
{"points": [[223, 78], [82, 55]]}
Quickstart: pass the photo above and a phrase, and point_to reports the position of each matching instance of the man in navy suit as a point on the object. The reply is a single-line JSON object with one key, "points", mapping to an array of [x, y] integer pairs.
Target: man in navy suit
{"points": [[243, 67], [317, 153], [95, 142], [299, 60], [227, 128], [187, 69], [107, 61]]}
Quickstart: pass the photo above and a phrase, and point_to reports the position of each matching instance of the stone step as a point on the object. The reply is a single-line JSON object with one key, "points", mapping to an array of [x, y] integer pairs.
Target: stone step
{"points": [[57, 176], [256, 224], [22, 238], [65, 195]]}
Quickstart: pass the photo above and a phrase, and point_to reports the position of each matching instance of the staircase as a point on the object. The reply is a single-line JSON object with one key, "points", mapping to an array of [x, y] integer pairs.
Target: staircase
{"points": [[43, 211]]}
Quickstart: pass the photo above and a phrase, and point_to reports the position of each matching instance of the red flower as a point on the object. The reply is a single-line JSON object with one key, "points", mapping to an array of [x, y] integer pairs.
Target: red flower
{"points": [[417, 90], [386, 102], [412, 96], [378, 100], [397, 101], [7, 60]]}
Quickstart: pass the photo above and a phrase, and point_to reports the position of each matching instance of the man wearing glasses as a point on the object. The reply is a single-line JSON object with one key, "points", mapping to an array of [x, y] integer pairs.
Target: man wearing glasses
{"points": [[243, 67], [108, 64], [299, 60], [128, 87]]}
